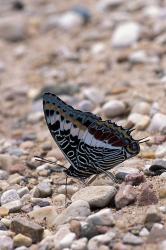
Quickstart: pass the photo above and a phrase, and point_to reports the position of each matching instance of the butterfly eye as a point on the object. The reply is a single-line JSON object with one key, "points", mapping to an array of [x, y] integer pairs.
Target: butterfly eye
{"points": [[133, 148]]}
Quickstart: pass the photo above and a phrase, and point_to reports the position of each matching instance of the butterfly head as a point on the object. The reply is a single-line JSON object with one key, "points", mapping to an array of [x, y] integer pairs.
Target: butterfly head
{"points": [[132, 148]]}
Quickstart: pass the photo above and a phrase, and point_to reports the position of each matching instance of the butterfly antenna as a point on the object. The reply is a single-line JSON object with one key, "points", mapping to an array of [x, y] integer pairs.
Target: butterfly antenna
{"points": [[38, 158], [145, 139], [41, 159]]}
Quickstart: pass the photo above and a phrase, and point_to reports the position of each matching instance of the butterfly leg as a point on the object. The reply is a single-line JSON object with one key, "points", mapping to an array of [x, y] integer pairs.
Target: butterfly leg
{"points": [[66, 194], [109, 174], [90, 180]]}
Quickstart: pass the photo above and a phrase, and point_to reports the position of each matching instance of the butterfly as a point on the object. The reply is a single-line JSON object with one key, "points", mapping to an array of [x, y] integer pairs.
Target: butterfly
{"points": [[91, 145]]}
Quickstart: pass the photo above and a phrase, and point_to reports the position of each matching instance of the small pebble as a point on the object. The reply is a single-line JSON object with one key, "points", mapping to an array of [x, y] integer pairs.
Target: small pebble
{"points": [[108, 5], [67, 240], [8, 196], [135, 179], [99, 240], [113, 108], [131, 239], [22, 240], [80, 244], [6, 243], [125, 196], [44, 215], [77, 209], [158, 123], [3, 175], [71, 189], [152, 216], [94, 95], [144, 232], [141, 108], [22, 191], [162, 192], [104, 217], [27, 228], [13, 206], [126, 34], [139, 120], [96, 196], [161, 151], [43, 190], [86, 106], [4, 211]]}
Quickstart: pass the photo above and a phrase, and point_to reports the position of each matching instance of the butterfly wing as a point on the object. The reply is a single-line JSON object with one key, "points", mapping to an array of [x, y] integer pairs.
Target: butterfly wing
{"points": [[88, 143], [103, 146], [66, 124]]}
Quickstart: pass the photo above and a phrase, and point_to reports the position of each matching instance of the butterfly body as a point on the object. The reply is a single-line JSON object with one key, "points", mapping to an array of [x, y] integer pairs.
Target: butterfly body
{"points": [[90, 144]]}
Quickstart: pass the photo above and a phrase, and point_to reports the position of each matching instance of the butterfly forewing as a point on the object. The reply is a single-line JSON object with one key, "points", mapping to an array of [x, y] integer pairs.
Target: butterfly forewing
{"points": [[67, 125]]}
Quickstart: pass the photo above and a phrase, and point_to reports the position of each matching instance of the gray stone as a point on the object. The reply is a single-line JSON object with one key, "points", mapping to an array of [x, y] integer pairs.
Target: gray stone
{"points": [[21, 248], [15, 151], [86, 106], [63, 233], [131, 239], [96, 196], [45, 214], [22, 240], [15, 179], [28, 228], [5, 161], [80, 244], [139, 120], [158, 123], [107, 5], [125, 196], [163, 176], [48, 243], [152, 216], [138, 57], [95, 95], [162, 245], [6, 243], [126, 34], [8, 196], [104, 217], [113, 108], [66, 21], [13, 28], [71, 189], [35, 117], [67, 240], [127, 170], [161, 151], [3, 175], [77, 209], [13, 206], [141, 108], [156, 235], [99, 240], [43, 190], [22, 191], [144, 232]]}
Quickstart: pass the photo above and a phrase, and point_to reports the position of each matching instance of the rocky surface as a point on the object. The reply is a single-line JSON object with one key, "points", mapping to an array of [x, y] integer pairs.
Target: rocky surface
{"points": [[105, 57]]}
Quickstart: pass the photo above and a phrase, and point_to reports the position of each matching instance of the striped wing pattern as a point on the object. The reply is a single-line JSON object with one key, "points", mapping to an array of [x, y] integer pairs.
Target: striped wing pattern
{"points": [[88, 143]]}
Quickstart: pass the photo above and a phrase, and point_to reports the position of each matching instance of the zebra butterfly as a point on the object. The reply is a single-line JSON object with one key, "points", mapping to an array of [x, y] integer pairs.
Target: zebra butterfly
{"points": [[92, 146]]}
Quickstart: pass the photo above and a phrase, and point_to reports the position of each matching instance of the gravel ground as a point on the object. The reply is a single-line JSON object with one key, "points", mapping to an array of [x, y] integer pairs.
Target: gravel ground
{"points": [[106, 57]]}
